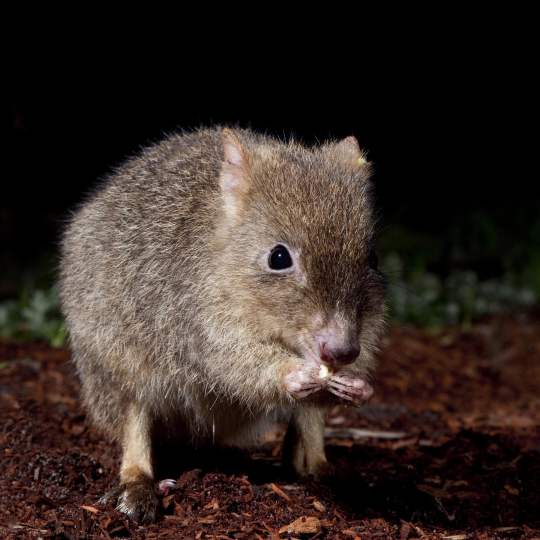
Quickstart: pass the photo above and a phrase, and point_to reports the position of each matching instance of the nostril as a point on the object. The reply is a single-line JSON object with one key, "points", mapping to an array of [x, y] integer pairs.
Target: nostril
{"points": [[326, 357], [338, 356]]}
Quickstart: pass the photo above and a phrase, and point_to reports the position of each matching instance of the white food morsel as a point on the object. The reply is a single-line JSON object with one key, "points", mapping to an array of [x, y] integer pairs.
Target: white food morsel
{"points": [[323, 372]]}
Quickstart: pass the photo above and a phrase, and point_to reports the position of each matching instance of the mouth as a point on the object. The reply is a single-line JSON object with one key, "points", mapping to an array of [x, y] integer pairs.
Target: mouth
{"points": [[324, 370], [318, 356]]}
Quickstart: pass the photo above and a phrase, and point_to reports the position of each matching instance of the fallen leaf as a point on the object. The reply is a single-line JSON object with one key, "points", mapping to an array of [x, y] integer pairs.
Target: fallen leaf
{"points": [[511, 489], [508, 529], [302, 525], [433, 491], [207, 520], [278, 491], [167, 501], [212, 505], [404, 531], [90, 509], [177, 519]]}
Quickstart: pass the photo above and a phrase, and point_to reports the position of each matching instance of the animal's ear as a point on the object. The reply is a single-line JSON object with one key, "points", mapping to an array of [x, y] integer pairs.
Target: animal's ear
{"points": [[349, 151], [234, 176]]}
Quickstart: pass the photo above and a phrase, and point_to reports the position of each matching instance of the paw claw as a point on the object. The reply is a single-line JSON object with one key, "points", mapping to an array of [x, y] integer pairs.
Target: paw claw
{"points": [[165, 485], [350, 387]]}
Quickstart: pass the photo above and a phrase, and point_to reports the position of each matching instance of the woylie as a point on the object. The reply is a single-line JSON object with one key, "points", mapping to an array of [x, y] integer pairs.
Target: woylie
{"points": [[219, 280]]}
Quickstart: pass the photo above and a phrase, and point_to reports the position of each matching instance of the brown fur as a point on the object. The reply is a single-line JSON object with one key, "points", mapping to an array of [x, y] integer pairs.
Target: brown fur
{"points": [[171, 316]]}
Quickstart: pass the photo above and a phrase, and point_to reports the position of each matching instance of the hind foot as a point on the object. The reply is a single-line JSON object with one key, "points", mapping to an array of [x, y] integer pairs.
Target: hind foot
{"points": [[138, 500]]}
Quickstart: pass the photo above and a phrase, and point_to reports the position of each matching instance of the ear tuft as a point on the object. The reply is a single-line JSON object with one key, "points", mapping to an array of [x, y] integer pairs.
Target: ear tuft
{"points": [[349, 150], [232, 148]]}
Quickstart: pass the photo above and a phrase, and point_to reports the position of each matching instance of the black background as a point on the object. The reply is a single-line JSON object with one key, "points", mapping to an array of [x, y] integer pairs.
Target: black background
{"points": [[448, 121]]}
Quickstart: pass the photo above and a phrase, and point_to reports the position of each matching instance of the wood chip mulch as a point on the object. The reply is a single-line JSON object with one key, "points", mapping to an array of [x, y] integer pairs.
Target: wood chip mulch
{"points": [[449, 448]]}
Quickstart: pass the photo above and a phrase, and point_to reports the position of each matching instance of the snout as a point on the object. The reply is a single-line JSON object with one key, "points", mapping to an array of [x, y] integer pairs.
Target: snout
{"points": [[338, 340], [336, 356]]}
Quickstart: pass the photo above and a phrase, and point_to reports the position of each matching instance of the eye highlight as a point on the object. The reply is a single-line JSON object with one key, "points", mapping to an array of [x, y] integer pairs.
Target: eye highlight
{"points": [[279, 258]]}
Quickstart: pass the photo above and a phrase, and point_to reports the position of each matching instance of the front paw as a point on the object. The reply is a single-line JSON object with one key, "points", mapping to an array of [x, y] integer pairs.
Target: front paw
{"points": [[138, 500], [350, 387], [303, 381]]}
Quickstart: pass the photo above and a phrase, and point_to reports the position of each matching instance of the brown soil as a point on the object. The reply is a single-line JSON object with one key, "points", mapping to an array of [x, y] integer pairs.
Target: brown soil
{"points": [[457, 454]]}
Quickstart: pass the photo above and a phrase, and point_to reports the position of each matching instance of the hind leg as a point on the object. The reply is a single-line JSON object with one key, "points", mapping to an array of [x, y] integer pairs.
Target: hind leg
{"points": [[304, 441], [136, 495]]}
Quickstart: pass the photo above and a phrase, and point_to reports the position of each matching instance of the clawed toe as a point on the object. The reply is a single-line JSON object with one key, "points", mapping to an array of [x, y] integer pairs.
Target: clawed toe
{"points": [[166, 485], [138, 500], [300, 384], [350, 388]]}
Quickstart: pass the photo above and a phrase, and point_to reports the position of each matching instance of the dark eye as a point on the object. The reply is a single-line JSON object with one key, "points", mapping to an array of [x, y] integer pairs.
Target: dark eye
{"points": [[373, 260], [279, 258]]}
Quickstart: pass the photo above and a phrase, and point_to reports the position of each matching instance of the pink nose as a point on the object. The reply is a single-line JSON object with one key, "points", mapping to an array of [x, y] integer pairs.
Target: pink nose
{"points": [[336, 356]]}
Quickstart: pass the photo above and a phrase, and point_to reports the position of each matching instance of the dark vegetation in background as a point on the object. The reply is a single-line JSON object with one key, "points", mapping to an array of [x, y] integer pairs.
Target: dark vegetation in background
{"points": [[447, 130]]}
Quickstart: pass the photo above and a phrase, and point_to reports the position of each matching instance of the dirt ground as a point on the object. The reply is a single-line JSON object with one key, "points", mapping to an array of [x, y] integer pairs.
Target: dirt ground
{"points": [[449, 447]]}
